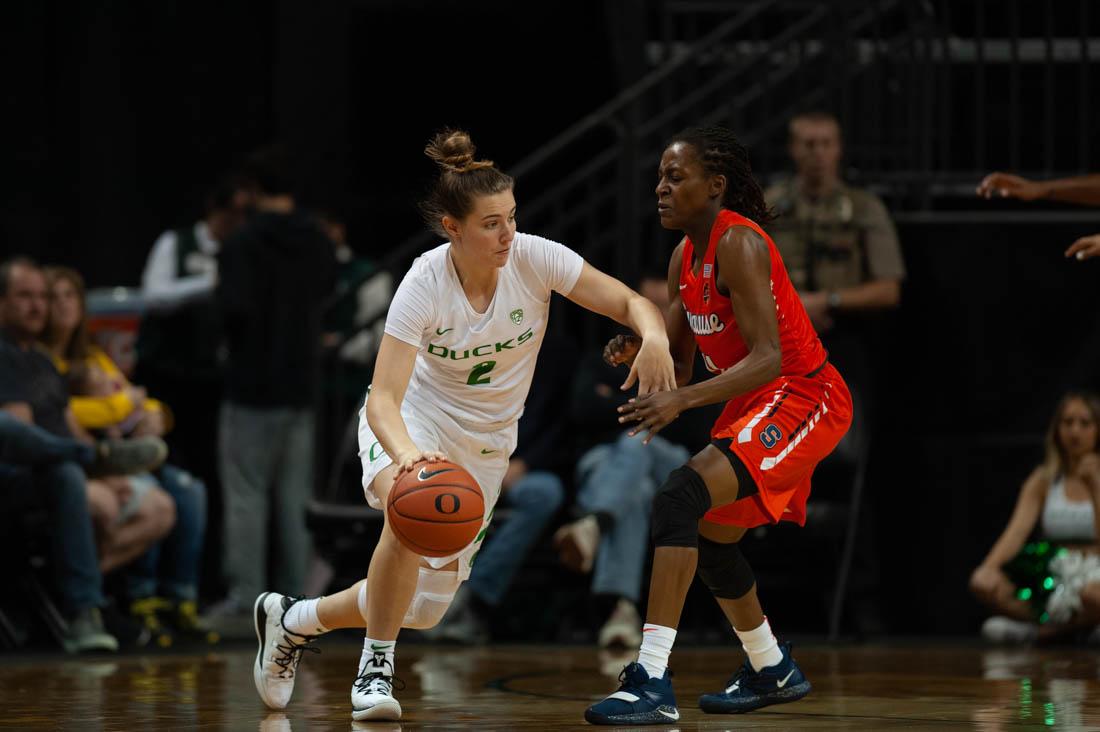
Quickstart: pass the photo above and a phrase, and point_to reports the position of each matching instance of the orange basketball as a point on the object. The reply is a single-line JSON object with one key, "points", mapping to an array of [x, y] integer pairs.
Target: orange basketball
{"points": [[436, 509]]}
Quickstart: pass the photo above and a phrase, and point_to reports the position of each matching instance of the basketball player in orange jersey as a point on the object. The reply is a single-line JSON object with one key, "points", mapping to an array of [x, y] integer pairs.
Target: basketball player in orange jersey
{"points": [[786, 409], [452, 373]]}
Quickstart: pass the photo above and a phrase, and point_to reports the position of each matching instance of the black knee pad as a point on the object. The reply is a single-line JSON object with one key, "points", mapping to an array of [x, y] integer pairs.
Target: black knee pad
{"points": [[724, 569], [677, 508]]}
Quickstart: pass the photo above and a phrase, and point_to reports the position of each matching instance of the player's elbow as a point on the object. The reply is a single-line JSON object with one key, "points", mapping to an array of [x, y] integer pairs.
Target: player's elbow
{"points": [[379, 403]]}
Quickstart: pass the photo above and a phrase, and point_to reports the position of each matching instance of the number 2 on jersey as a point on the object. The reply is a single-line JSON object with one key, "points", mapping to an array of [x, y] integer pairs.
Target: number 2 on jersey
{"points": [[478, 373]]}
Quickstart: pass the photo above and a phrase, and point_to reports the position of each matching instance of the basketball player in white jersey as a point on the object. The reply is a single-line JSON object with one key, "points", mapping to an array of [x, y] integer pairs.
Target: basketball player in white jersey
{"points": [[453, 371]]}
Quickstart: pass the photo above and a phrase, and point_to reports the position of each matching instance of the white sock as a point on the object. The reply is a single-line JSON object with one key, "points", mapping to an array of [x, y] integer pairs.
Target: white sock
{"points": [[760, 645], [301, 618], [657, 643], [372, 646]]}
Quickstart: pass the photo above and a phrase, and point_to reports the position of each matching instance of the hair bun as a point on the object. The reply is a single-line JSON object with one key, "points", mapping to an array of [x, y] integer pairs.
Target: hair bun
{"points": [[453, 150]]}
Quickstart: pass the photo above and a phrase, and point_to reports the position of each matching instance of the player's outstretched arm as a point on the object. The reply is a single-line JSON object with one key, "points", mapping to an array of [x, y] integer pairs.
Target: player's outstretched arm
{"points": [[622, 349], [1082, 189], [652, 368], [392, 370]]}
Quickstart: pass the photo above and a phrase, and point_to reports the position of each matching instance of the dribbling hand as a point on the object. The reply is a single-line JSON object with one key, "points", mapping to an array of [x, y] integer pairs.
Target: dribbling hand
{"points": [[406, 461]]}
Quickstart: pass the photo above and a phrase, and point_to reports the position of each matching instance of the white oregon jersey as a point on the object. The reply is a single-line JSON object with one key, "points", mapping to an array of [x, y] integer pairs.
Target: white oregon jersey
{"points": [[477, 367]]}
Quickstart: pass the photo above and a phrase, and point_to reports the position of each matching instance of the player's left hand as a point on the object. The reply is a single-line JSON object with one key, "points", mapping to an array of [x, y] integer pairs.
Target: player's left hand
{"points": [[652, 369], [651, 412]]}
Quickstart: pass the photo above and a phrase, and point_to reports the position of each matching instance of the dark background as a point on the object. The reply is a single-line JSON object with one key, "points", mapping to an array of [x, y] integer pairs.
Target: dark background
{"points": [[120, 115], [124, 113]]}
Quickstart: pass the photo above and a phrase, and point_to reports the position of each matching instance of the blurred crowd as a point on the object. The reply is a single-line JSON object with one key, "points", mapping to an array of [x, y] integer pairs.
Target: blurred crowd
{"points": [[164, 497]]}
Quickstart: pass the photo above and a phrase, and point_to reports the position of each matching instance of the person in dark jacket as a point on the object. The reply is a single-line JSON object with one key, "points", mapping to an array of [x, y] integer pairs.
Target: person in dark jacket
{"points": [[275, 274]]}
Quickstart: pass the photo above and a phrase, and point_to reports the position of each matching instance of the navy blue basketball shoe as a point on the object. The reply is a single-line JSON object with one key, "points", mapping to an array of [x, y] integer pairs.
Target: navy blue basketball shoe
{"points": [[639, 700], [748, 689]]}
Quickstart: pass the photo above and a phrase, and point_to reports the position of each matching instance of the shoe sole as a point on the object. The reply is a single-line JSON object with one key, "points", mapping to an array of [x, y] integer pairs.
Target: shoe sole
{"points": [[784, 696], [646, 718], [259, 617], [386, 711]]}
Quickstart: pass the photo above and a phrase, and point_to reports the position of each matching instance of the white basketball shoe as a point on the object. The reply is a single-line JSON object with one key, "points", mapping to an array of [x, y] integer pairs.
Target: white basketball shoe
{"points": [[372, 692], [280, 650]]}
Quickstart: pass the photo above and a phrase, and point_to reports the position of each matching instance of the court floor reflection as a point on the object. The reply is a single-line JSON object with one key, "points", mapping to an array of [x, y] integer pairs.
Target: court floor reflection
{"points": [[547, 687]]}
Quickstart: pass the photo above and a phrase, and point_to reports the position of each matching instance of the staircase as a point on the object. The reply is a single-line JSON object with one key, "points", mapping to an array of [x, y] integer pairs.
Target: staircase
{"points": [[932, 94]]}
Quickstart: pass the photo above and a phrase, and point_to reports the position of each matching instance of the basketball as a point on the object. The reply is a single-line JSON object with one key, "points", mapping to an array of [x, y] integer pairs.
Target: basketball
{"points": [[436, 509]]}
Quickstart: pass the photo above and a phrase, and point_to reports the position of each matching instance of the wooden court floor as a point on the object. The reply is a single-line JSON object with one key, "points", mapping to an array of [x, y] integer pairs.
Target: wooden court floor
{"points": [[911, 686]]}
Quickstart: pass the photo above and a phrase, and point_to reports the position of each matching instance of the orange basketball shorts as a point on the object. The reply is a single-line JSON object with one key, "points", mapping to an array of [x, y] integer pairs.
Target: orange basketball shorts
{"points": [[780, 432]]}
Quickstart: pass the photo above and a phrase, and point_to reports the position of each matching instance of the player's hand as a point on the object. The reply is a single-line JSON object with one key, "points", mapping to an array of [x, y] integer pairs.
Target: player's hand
{"points": [[652, 369], [405, 461], [651, 412], [621, 349], [1086, 247], [1006, 185]]}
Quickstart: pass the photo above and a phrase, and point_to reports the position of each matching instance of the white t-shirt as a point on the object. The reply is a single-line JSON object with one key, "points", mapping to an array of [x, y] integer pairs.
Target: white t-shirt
{"points": [[477, 367], [164, 288]]}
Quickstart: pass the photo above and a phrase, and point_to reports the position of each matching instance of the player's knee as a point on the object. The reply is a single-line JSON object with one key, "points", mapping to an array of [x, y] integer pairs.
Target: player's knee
{"points": [[677, 508], [435, 589], [724, 569]]}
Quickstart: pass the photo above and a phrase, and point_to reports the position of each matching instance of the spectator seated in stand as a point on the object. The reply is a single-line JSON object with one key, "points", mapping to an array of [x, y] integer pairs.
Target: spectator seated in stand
{"points": [[144, 508], [44, 451], [1050, 588]]}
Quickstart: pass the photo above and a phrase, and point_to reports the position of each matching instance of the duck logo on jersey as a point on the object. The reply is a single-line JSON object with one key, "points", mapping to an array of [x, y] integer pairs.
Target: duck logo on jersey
{"points": [[517, 316]]}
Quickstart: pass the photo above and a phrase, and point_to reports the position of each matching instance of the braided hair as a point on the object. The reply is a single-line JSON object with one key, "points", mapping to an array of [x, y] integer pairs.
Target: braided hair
{"points": [[722, 154]]}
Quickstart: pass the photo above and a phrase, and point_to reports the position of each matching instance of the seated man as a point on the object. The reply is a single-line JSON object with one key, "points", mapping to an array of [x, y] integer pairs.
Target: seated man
{"points": [[33, 393]]}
